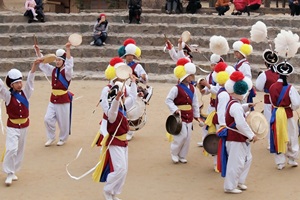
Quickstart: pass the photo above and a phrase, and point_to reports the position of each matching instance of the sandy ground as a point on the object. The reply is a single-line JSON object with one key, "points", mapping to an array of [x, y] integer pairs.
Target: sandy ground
{"points": [[151, 174]]}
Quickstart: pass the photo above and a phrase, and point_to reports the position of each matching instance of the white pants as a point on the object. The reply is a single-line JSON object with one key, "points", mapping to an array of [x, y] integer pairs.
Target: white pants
{"points": [[15, 145], [292, 145], [267, 114], [238, 164], [181, 143], [116, 179], [59, 113]]}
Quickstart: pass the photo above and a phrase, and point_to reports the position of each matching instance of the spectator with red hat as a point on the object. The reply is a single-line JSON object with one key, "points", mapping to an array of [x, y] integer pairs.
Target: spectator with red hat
{"points": [[100, 31]]}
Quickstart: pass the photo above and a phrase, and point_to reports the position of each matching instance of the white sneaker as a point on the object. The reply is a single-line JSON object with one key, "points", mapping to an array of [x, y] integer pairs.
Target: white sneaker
{"points": [[103, 43], [115, 198], [200, 144], [14, 177], [129, 135], [280, 166], [60, 143], [175, 159], [183, 160], [107, 196], [92, 43], [9, 179], [234, 191], [293, 163], [35, 19], [242, 186], [49, 142]]}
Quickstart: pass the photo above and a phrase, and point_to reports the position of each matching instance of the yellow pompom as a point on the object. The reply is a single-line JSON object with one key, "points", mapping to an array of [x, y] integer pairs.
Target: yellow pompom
{"points": [[110, 72], [138, 52], [179, 71], [222, 77], [246, 49]]}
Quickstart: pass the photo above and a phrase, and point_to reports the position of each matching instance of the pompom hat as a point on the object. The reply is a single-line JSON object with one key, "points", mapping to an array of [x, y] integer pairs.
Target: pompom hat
{"points": [[110, 72], [238, 83], [184, 68], [222, 72], [121, 50], [243, 46]]}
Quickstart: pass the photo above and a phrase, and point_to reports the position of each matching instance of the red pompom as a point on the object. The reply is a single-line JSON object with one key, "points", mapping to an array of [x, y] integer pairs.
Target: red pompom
{"points": [[115, 60], [182, 61], [129, 41], [221, 66], [245, 40], [237, 76]]}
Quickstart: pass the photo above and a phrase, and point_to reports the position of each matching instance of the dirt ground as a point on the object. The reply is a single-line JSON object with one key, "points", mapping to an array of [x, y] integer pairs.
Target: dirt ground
{"points": [[151, 174]]}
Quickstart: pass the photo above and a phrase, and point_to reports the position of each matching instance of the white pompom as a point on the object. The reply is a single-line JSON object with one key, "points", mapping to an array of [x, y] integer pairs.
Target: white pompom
{"points": [[229, 86], [259, 32], [237, 45], [218, 45]]}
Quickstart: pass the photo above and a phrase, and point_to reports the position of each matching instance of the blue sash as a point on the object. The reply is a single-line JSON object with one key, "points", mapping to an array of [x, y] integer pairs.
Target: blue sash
{"points": [[20, 98], [272, 120], [187, 90], [131, 63], [62, 80]]}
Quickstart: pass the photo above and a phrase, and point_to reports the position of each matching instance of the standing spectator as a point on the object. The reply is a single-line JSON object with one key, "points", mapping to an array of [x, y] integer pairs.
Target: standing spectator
{"points": [[100, 31], [135, 10], [17, 108], [59, 107], [39, 11], [222, 6], [294, 7]]}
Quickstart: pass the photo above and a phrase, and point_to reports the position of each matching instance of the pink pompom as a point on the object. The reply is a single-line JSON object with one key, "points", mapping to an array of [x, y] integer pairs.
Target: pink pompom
{"points": [[115, 60], [237, 76], [221, 66]]}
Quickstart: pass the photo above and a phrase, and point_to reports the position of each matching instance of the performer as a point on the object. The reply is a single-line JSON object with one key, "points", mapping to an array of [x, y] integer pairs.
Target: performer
{"points": [[60, 107], [17, 108], [265, 79], [132, 53], [209, 86], [242, 49], [284, 132], [234, 156], [182, 99], [184, 50], [113, 165]]}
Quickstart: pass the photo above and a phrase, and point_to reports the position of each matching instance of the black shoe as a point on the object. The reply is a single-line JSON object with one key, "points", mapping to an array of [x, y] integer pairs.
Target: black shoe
{"points": [[138, 22], [248, 13], [29, 21], [43, 20]]}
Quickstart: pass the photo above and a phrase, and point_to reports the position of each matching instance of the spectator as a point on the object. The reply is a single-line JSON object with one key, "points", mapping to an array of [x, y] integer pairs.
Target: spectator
{"points": [[254, 4], [100, 31], [193, 6], [222, 6], [39, 11], [240, 6], [135, 10], [171, 6], [294, 7]]}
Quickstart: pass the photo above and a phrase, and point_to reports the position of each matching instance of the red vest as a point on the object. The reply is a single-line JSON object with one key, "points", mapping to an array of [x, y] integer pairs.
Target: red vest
{"points": [[184, 99], [57, 85], [275, 90], [271, 77], [233, 135], [133, 68], [123, 129], [16, 110]]}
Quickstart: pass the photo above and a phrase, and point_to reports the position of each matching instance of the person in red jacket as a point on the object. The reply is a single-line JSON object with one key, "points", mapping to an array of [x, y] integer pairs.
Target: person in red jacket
{"points": [[240, 6]]}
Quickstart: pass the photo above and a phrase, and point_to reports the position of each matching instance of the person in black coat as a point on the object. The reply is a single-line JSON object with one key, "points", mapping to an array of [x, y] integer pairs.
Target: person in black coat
{"points": [[135, 10], [39, 10]]}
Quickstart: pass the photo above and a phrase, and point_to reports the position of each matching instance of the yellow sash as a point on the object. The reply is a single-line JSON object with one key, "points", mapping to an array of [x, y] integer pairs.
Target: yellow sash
{"points": [[281, 129], [99, 169], [209, 122], [96, 139], [3, 154], [59, 92], [186, 107], [213, 96], [169, 137], [19, 121]]}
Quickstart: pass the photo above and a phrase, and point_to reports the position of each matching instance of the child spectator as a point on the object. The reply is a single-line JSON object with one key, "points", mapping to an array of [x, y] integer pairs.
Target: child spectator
{"points": [[30, 5]]}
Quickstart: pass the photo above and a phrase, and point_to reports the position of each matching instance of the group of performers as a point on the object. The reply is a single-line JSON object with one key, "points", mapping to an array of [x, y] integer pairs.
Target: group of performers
{"points": [[232, 94], [231, 91]]}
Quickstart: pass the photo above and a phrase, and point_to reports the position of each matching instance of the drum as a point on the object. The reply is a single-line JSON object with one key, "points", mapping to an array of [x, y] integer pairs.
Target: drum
{"points": [[136, 115], [210, 143]]}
